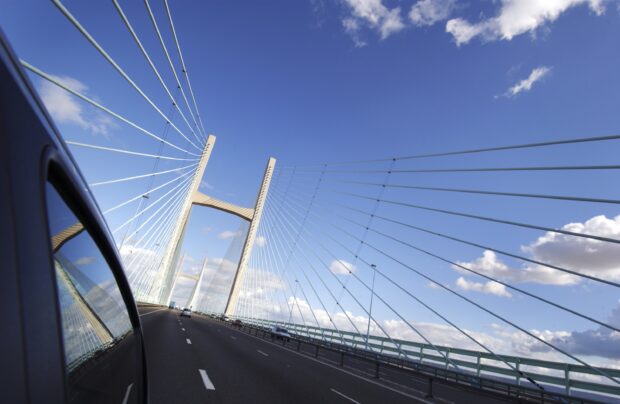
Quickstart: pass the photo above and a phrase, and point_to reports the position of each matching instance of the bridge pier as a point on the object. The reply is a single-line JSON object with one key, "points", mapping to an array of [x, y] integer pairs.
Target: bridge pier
{"points": [[165, 279]]}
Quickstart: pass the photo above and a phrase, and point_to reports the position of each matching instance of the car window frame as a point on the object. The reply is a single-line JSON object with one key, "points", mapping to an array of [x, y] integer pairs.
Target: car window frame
{"points": [[71, 197], [82, 205]]}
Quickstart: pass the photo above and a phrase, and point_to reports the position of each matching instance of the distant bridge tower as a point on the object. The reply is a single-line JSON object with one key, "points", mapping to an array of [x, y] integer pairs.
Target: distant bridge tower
{"points": [[191, 301], [165, 278]]}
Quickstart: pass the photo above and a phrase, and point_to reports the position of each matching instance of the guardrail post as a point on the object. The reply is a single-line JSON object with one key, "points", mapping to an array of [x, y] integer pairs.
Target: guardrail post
{"points": [[429, 394], [298, 346], [377, 370], [421, 354], [447, 358], [478, 365], [341, 359], [316, 352], [567, 379], [518, 372]]}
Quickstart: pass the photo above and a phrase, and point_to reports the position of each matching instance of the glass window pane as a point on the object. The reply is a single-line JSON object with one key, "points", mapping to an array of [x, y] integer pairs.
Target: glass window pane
{"points": [[99, 344]]}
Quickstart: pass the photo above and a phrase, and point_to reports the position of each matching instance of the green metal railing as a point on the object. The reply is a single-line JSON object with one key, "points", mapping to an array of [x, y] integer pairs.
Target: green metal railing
{"points": [[564, 375]]}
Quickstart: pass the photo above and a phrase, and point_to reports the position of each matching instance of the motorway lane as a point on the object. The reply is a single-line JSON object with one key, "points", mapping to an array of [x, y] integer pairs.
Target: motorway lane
{"points": [[242, 369], [172, 367], [278, 375]]}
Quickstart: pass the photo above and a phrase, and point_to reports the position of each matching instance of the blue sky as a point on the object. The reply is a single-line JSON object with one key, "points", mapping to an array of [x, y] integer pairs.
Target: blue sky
{"points": [[316, 81]]}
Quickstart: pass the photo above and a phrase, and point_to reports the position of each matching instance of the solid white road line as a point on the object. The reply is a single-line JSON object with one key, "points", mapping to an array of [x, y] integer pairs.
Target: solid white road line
{"points": [[150, 312], [188, 341], [261, 352], [233, 337], [183, 329], [347, 397], [127, 393], [206, 380]]}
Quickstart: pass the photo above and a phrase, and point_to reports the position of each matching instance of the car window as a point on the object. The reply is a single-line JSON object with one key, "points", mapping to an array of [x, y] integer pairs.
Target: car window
{"points": [[99, 343]]}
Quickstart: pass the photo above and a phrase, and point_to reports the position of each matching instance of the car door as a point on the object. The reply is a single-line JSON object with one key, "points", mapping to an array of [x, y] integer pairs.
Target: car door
{"points": [[71, 331]]}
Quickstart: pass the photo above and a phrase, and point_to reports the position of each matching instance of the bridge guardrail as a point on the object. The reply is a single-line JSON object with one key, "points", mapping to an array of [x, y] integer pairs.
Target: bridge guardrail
{"points": [[480, 364]]}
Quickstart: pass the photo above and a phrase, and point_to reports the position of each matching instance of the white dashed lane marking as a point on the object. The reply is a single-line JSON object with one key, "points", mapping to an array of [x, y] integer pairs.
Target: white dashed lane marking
{"points": [[205, 379]]}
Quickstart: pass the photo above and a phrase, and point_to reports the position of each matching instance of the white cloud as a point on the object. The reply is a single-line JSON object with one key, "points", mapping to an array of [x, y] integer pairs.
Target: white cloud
{"points": [[259, 294], [489, 264], [490, 287], [428, 12], [141, 266], [205, 185], [593, 257], [592, 343], [65, 108], [351, 26], [131, 255], [216, 282], [516, 17], [526, 84], [260, 241], [83, 261], [228, 234], [462, 31], [266, 283], [374, 14], [342, 267], [600, 346], [582, 255]]}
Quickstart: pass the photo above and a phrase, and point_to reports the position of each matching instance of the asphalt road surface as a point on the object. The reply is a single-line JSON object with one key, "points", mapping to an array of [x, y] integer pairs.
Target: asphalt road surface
{"points": [[201, 360]]}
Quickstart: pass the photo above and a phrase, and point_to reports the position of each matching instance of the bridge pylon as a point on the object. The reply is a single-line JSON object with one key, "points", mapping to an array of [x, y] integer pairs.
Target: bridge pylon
{"points": [[165, 278]]}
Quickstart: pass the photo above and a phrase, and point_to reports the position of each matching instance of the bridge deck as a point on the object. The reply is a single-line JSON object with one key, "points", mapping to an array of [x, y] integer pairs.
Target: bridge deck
{"points": [[243, 368]]}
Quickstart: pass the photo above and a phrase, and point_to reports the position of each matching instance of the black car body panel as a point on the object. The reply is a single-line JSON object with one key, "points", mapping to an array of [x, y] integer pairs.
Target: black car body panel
{"points": [[31, 153]]}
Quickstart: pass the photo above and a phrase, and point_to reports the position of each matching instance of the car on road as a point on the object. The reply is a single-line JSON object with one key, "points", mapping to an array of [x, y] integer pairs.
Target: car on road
{"points": [[237, 323], [172, 305], [186, 313], [280, 333], [223, 317], [70, 330]]}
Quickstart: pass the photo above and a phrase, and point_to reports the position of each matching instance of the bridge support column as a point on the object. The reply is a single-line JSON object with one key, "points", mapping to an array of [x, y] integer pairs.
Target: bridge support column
{"points": [[164, 279], [191, 302], [175, 277], [231, 304]]}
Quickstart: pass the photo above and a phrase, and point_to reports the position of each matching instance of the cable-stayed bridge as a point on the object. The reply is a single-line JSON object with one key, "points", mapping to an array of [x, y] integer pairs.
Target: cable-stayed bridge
{"points": [[429, 275]]}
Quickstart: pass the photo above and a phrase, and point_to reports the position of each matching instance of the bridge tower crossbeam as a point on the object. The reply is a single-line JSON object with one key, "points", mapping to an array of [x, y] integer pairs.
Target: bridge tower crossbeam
{"points": [[165, 279]]}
